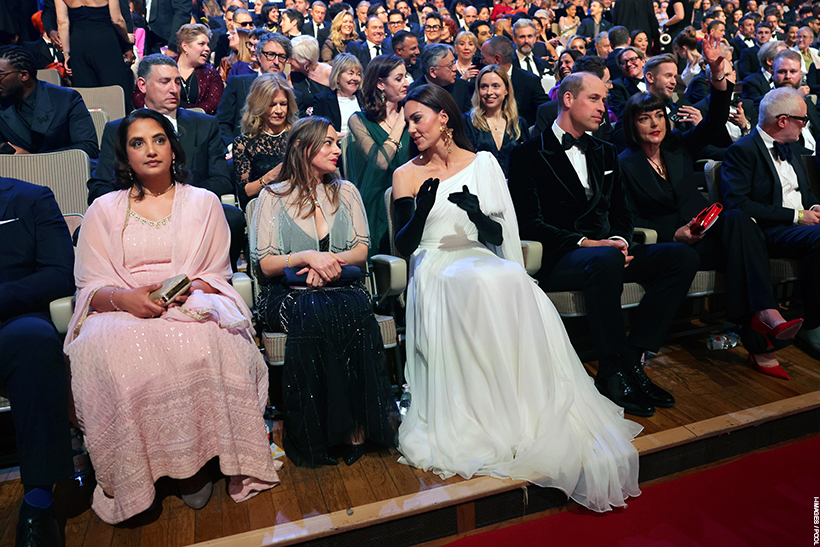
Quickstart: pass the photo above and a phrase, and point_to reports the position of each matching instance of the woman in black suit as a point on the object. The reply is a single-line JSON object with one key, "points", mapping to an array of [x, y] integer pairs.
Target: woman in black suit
{"points": [[344, 99], [659, 180]]}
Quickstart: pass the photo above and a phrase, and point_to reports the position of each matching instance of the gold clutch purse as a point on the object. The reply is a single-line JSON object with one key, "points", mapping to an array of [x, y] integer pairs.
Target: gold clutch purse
{"points": [[171, 288]]}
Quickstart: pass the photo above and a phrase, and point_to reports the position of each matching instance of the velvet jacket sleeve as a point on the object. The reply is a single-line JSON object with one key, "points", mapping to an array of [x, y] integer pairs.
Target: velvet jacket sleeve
{"points": [[211, 88]]}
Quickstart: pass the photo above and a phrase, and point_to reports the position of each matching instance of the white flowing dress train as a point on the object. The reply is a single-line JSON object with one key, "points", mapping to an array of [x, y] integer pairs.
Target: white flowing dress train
{"points": [[497, 388]]}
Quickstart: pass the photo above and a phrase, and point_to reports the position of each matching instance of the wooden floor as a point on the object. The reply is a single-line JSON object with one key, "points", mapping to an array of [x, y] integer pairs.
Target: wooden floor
{"points": [[715, 391]]}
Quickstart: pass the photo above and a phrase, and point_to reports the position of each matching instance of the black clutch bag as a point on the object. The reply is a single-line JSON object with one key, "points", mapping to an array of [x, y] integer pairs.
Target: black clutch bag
{"points": [[350, 275]]}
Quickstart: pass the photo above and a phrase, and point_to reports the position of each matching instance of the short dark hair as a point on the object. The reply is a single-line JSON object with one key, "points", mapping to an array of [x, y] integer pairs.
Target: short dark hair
{"points": [[295, 16], [265, 13], [478, 23], [618, 36], [635, 106], [590, 63], [148, 63], [335, 9], [123, 174], [400, 37], [395, 12]]}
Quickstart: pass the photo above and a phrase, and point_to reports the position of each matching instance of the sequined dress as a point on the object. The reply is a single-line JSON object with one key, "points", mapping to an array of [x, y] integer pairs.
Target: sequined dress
{"points": [[334, 377], [159, 397]]}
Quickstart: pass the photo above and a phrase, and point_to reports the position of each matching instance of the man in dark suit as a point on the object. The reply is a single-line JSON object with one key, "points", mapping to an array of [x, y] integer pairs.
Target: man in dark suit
{"points": [[637, 14], [757, 84], [438, 65], [198, 134], [273, 51], [529, 94], [618, 39], [525, 56], [631, 60], [36, 267], [317, 27], [749, 63], [764, 176], [406, 45], [745, 38], [371, 47], [595, 24], [568, 194], [39, 117]]}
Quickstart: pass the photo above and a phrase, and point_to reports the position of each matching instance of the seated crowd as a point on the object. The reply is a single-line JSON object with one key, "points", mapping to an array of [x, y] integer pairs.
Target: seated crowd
{"points": [[570, 125]]}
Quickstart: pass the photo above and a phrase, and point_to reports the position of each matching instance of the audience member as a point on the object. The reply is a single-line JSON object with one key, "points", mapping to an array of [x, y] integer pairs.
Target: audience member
{"points": [[757, 84], [526, 56], [764, 176], [515, 391], [240, 53], [36, 262], [590, 248], [336, 385], [345, 99], [493, 125], [39, 117], [291, 22], [371, 46], [342, 32], [631, 60], [379, 142], [603, 47], [563, 68], [526, 86], [153, 409], [406, 46], [307, 75], [482, 31], [638, 39], [466, 45], [568, 24], [809, 57], [266, 119], [595, 24], [433, 24], [317, 27], [748, 62], [438, 64]]}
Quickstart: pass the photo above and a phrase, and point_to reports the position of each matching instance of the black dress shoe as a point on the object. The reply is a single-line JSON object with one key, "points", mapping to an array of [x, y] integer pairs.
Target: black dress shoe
{"points": [[352, 453], [324, 459], [656, 395], [38, 531], [622, 391]]}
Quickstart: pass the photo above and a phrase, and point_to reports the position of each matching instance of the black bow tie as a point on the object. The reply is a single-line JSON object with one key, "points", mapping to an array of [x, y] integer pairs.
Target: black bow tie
{"points": [[782, 151], [568, 141]]}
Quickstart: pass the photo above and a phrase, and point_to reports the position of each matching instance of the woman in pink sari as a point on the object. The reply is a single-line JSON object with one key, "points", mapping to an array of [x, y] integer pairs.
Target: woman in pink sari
{"points": [[161, 391]]}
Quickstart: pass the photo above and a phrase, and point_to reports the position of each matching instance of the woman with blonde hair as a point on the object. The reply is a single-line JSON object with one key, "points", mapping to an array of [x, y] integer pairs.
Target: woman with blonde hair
{"points": [[311, 224], [201, 86], [237, 41], [345, 99], [307, 75], [493, 125], [342, 31], [466, 44], [268, 114]]}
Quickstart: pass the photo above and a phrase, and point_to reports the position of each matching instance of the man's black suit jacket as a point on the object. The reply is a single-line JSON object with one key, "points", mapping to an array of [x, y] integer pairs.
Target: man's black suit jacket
{"points": [[458, 90], [229, 111], [548, 113], [204, 151], [748, 63], [42, 54], [738, 45], [540, 65], [360, 50], [323, 34], [622, 90], [37, 264], [529, 94], [756, 85], [327, 105], [615, 71], [61, 122], [749, 182], [550, 202], [587, 27]]}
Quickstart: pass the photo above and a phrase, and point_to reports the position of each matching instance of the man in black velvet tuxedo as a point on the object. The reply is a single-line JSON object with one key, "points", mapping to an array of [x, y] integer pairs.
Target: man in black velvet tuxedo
{"points": [[764, 176], [198, 134], [39, 117], [36, 263], [568, 194], [529, 94], [272, 51], [438, 65]]}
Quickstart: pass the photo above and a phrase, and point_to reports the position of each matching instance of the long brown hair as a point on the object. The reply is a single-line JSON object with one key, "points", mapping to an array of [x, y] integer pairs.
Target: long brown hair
{"points": [[375, 107], [306, 138]]}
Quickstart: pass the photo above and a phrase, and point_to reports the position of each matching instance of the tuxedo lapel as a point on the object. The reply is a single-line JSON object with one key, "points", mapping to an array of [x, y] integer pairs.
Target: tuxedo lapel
{"points": [[560, 167], [43, 113], [595, 170], [777, 193]]}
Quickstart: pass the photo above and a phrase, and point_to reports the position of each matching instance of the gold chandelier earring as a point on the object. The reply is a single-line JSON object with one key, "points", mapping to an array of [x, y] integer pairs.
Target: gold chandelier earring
{"points": [[447, 135]]}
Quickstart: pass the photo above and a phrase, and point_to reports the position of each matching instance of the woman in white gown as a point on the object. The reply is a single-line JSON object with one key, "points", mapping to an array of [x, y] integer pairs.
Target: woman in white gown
{"points": [[497, 388]]}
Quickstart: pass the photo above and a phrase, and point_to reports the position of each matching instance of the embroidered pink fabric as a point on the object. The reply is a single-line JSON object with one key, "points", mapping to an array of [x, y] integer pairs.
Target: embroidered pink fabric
{"points": [[162, 396]]}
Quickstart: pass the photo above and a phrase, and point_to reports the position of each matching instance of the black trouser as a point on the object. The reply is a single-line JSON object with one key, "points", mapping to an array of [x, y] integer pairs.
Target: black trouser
{"points": [[803, 243], [664, 270], [33, 369], [236, 224]]}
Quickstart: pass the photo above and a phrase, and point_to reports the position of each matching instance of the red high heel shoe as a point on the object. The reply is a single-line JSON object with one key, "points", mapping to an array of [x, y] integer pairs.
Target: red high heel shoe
{"points": [[776, 371], [784, 331]]}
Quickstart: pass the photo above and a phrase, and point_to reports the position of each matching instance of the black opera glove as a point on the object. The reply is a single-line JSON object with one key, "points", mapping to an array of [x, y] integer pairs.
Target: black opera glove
{"points": [[411, 215], [489, 231]]}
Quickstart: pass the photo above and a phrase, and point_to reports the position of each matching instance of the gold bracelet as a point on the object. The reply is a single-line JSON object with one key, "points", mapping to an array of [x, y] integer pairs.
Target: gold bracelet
{"points": [[395, 142], [799, 217], [111, 299], [288, 260]]}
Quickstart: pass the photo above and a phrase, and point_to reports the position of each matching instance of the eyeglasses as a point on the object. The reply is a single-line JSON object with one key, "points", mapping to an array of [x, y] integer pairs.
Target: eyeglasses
{"points": [[802, 119], [394, 23], [448, 66], [245, 24], [631, 61], [432, 27], [272, 56], [4, 74]]}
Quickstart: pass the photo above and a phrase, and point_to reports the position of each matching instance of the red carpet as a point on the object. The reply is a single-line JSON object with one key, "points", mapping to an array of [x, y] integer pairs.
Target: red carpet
{"points": [[762, 500]]}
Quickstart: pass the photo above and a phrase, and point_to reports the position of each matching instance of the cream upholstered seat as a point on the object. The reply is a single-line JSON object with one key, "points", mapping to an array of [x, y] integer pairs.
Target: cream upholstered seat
{"points": [[109, 98]]}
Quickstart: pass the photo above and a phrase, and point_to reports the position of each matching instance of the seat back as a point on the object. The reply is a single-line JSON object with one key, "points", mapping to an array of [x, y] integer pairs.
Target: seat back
{"points": [[100, 118], [65, 172], [712, 173], [196, 109], [49, 75], [109, 98]]}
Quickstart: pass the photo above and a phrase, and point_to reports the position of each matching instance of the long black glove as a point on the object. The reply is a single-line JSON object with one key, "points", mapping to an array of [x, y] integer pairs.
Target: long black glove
{"points": [[410, 223], [489, 231]]}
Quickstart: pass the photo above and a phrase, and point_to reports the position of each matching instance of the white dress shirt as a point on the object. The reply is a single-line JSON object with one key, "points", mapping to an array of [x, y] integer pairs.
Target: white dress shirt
{"points": [[576, 158], [372, 47], [792, 198], [522, 62]]}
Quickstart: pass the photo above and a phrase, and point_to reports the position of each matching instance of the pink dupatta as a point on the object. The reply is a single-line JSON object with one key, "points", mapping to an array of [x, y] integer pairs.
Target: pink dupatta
{"points": [[200, 250]]}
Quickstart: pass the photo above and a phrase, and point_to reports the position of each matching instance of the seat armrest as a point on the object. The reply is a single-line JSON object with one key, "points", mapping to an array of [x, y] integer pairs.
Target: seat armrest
{"points": [[244, 286], [228, 199], [61, 311], [533, 253], [390, 273], [647, 236]]}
